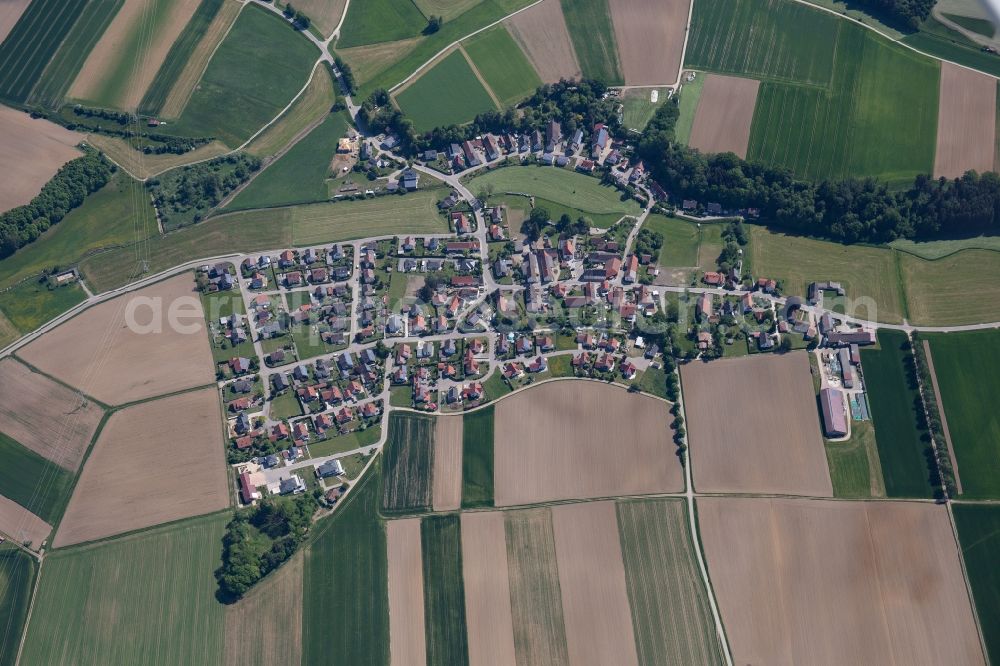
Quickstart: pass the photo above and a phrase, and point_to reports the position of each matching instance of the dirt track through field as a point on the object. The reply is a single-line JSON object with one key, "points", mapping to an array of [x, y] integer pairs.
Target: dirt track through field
{"points": [[447, 474], [99, 353], [580, 439], [20, 524], [487, 592], [407, 646], [265, 627], [10, 12], [542, 34], [153, 463], [43, 415], [753, 426], [592, 581], [31, 151], [831, 582], [944, 418], [966, 133], [135, 25], [650, 36], [725, 112]]}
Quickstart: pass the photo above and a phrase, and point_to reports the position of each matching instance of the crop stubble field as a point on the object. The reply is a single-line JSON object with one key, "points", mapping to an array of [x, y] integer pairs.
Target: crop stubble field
{"points": [[98, 353], [126, 484], [592, 582], [447, 463], [767, 421], [966, 133], [725, 112], [838, 582], [487, 590], [650, 37], [45, 416], [407, 644], [558, 441], [31, 151], [541, 31]]}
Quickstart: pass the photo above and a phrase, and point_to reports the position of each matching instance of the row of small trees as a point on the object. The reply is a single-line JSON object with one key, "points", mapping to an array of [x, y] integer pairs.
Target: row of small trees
{"points": [[941, 457]]}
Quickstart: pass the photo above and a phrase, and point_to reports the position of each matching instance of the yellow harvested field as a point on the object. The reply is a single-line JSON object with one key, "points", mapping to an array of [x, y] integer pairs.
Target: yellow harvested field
{"points": [[156, 34], [119, 352], [831, 582], [31, 151], [141, 165], [753, 426], [265, 626], [542, 34], [153, 463], [198, 62], [325, 14], [407, 646], [55, 422], [21, 525], [592, 580], [725, 112], [487, 590], [310, 108], [10, 12], [580, 439], [447, 472], [966, 121], [367, 61], [650, 36]]}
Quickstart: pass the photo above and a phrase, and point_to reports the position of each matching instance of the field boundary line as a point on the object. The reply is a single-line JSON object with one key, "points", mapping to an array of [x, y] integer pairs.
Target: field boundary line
{"points": [[459, 40], [941, 414], [943, 256], [968, 584], [479, 76], [31, 609]]}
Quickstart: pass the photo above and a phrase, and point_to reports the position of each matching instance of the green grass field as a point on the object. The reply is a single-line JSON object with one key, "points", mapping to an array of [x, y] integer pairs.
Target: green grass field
{"points": [[380, 21], [503, 64], [939, 41], [687, 104], [854, 465], [979, 26], [30, 304], [654, 382], [680, 240], [593, 36], [408, 463], [535, 601], [114, 215], [446, 9], [39, 485], [156, 587], [345, 606], [68, 60], [938, 249], [32, 42], [868, 274], [249, 231], [562, 186], [400, 66], [444, 591], [17, 580], [637, 110], [299, 176], [477, 458], [966, 367], [259, 67], [877, 117], [896, 407], [178, 56], [938, 291], [670, 612], [446, 94], [979, 537]]}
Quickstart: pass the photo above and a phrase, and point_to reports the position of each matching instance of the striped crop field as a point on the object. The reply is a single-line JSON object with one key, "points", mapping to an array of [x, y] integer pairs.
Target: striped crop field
{"points": [[32, 43]]}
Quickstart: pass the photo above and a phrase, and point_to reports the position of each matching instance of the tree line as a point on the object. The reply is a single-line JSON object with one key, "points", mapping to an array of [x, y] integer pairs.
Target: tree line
{"points": [[850, 211], [902, 13], [66, 191]]}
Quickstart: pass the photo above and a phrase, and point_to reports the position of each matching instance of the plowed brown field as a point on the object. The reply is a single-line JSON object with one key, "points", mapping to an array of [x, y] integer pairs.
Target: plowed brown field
{"points": [[156, 462], [753, 426], [541, 32], [650, 36], [20, 524], [407, 646], [100, 354], [487, 591], [830, 582], [31, 151], [725, 111], [580, 439], [966, 121], [447, 474]]}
